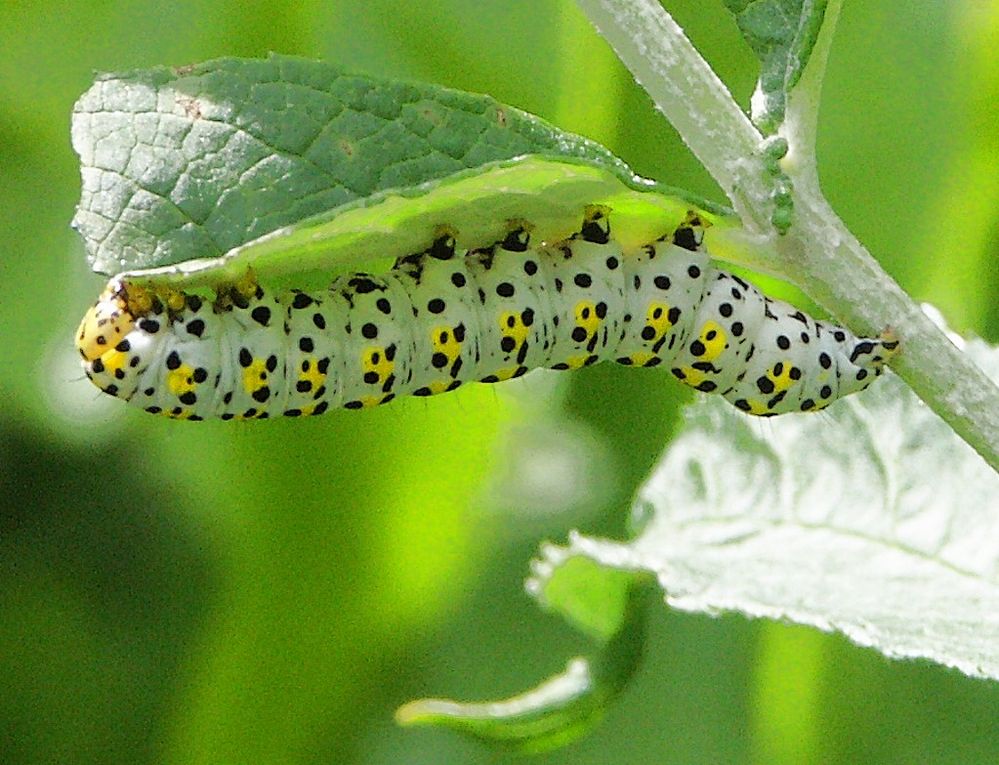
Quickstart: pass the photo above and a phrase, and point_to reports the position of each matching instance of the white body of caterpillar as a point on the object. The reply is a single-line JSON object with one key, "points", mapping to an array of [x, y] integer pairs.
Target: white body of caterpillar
{"points": [[442, 318]]}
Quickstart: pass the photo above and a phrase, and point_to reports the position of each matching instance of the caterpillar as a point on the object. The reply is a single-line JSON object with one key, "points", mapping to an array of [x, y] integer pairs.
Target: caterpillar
{"points": [[445, 316]]}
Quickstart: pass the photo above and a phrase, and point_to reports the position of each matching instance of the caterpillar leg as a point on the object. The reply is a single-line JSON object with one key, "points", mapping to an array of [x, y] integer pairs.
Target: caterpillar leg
{"points": [[518, 238], [596, 225], [690, 233], [239, 293]]}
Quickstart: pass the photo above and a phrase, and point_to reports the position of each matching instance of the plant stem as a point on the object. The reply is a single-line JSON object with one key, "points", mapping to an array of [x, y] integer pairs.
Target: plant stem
{"points": [[827, 260], [819, 254], [801, 118], [688, 92]]}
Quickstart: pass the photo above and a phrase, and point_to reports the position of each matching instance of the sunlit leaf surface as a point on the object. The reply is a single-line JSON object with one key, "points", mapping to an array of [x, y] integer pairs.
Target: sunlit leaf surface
{"points": [[873, 520], [181, 164]]}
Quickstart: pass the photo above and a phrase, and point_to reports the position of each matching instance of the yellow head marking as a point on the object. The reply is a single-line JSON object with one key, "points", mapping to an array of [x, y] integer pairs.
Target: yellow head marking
{"points": [[106, 323], [113, 361]]}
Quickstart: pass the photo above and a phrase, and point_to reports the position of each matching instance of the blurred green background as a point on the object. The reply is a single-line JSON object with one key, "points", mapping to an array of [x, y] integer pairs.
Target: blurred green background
{"points": [[270, 592]]}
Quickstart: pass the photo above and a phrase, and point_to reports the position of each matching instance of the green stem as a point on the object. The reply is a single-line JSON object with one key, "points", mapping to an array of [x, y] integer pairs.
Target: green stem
{"points": [[820, 255], [801, 117], [688, 92], [840, 274]]}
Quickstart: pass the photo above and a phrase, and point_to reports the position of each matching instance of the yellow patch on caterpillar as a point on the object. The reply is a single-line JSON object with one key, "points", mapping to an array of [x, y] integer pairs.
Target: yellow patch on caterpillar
{"points": [[587, 318], [444, 342], [440, 386], [375, 361], [714, 340], [693, 377], [254, 375], [181, 380], [310, 373], [512, 325], [641, 358], [114, 360], [783, 375], [657, 317], [756, 406], [505, 373]]}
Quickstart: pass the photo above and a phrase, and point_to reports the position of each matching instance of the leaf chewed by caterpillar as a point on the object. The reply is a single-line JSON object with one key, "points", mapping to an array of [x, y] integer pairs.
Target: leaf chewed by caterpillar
{"points": [[444, 317]]}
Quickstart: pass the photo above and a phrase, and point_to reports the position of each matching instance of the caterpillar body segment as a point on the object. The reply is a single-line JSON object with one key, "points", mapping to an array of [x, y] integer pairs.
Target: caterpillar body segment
{"points": [[445, 317]]}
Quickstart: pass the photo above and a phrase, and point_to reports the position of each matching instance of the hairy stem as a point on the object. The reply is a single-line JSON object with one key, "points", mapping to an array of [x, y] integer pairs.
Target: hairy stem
{"points": [[688, 92], [819, 254], [801, 118], [840, 273]]}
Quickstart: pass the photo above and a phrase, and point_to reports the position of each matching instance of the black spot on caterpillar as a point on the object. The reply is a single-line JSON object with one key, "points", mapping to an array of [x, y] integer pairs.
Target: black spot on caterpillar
{"points": [[443, 317]]}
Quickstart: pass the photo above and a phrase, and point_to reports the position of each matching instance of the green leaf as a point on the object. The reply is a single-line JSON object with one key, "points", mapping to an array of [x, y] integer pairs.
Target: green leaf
{"points": [[476, 206], [194, 163], [782, 34], [873, 520], [610, 606]]}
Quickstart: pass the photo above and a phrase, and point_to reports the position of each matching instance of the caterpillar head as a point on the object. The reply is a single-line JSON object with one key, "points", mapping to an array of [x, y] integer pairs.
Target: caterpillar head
{"points": [[110, 319]]}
